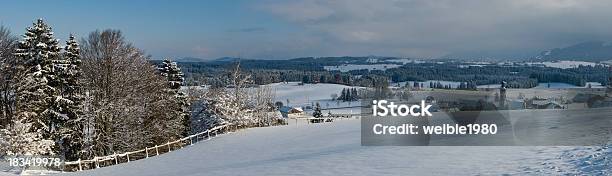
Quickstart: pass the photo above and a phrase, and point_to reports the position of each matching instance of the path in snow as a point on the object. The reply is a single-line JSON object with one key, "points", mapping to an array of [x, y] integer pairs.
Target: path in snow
{"points": [[334, 149]]}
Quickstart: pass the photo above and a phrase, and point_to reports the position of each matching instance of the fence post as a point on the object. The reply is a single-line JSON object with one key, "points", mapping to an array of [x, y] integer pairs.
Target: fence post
{"points": [[156, 151], [128, 156], [115, 155], [97, 164], [208, 135], [147, 151], [80, 167], [191, 140], [168, 146]]}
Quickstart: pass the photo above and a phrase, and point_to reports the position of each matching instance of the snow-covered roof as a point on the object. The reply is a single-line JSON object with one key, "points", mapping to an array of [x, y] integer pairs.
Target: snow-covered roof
{"points": [[545, 102], [289, 110]]}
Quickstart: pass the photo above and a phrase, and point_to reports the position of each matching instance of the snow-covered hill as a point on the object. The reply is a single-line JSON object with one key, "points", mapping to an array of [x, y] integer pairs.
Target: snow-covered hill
{"points": [[334, 149]]}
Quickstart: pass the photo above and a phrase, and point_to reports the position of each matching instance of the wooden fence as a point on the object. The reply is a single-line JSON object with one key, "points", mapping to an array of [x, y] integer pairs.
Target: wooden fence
{"points": [[101, 161]]}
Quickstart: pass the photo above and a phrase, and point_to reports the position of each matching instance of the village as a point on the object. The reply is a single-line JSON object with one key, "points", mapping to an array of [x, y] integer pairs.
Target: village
{"points": [[296, 100]]}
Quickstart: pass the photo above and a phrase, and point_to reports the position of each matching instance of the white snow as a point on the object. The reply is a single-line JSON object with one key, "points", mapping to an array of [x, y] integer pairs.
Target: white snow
{"points": [[307, 94], [454, 84], [334, 149], [564, 64], [553, 85]]}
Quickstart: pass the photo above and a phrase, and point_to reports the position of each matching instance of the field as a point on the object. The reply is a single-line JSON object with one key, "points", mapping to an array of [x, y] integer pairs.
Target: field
{"points": [[296, 95]]}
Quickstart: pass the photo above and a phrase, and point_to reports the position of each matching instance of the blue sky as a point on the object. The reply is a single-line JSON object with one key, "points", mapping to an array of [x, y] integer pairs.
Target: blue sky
{"points": [[162, 28], [280, 29]]}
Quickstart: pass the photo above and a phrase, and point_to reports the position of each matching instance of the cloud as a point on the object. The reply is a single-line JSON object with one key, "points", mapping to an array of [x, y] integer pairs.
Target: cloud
{"points": [[423, 28]]}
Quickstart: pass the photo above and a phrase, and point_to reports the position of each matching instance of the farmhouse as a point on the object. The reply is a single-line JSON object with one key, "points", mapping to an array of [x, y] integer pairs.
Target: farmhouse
{"points": [[287, 111], [546, 104]]}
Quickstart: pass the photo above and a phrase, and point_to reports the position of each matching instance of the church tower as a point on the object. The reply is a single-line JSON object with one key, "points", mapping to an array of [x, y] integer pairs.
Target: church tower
{"points": [[502, 95]]}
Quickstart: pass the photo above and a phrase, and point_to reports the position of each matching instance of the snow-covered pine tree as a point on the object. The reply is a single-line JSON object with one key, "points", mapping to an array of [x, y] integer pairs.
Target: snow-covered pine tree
{"points": [[69, 74], [36, 95], [176, 79], [354, 94], [317, 111], [173, 73], [349, 95], [207, 115]]}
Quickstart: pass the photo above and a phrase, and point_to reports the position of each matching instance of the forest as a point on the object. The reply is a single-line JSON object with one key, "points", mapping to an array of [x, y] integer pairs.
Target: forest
{"points": [[311, 71]]}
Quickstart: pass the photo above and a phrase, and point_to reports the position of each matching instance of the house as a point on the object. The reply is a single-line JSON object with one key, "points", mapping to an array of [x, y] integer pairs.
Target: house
{"points": [[287, 111], [546, 104]]}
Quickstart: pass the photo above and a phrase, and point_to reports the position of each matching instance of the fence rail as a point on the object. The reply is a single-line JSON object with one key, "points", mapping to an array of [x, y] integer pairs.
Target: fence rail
{"points": [[117, 158]]}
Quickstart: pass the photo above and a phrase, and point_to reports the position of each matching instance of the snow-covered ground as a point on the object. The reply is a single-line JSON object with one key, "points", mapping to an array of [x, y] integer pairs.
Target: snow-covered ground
{"points": [[553, 85], [334, 149], [349, 67], [454, 84], [307, 94], [565, 64]]}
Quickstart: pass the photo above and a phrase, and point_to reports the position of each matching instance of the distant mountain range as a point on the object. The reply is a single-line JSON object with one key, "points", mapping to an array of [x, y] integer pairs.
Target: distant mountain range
{"points": [[593, 51], [195, 59]]}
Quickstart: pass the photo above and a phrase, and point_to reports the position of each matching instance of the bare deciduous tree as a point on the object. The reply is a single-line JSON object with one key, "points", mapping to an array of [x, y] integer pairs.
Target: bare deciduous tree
{"points": [[126, 94], [8, 73]]}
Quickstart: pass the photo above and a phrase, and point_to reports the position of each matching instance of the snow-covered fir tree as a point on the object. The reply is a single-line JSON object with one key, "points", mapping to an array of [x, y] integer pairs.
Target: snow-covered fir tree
{"points": [[36, 96], [69, 71], [317, 111], [206, 115], [176, 79], [173, 73]]}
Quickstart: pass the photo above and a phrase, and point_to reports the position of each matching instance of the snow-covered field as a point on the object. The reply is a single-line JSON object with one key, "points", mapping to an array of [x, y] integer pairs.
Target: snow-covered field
{"points": [[334, 149], [565, 85], [553, 85], [307, 94], [565, 64], [454, 84], [349, 67]]}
